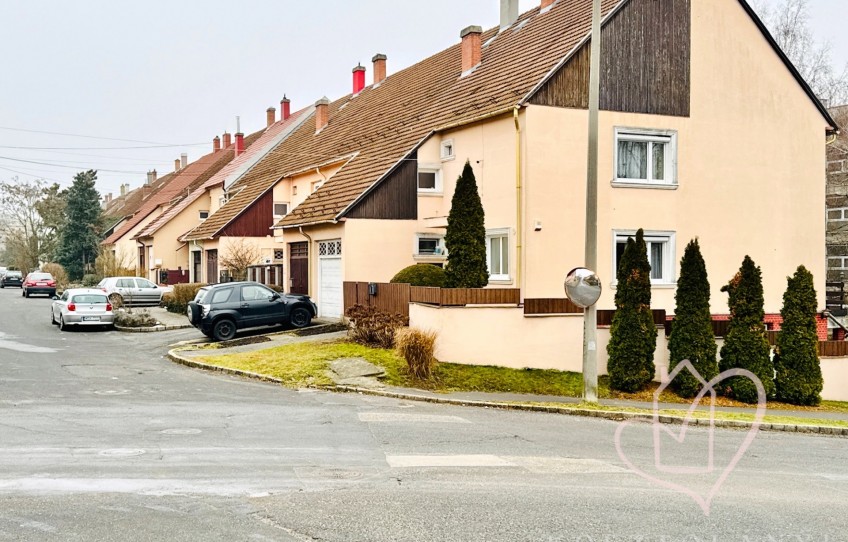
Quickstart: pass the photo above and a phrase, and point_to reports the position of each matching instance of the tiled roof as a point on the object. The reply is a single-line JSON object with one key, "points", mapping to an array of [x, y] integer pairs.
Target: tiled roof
{"points": [[254, 144], [174, 185], [128, 204], [382, 124]]}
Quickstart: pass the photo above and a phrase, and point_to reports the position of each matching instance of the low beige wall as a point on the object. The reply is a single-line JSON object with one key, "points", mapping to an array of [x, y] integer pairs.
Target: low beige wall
{"points": [[835, 374], [503, 336]]}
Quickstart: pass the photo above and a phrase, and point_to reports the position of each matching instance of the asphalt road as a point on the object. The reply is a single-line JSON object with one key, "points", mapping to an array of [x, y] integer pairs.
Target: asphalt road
{"points": [[104, 439]]}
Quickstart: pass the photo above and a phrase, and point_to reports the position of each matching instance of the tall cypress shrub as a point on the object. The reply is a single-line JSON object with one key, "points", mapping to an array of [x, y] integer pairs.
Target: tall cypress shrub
{"points": [[80, 235], [692, 334], [633, 334], [746, 345], [799, 377], [465, 239]]}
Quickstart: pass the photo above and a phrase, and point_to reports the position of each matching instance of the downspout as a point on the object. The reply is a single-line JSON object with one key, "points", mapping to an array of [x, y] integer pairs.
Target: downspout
{"points": [[308, 261], [518, 204]]}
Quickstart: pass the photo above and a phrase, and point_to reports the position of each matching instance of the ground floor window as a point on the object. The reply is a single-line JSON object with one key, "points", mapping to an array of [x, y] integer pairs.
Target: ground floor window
{"points": [[661, 256], [497, 254]]}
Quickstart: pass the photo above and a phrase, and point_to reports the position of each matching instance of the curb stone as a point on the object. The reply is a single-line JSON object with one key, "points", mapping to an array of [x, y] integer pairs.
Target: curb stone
{"points": [[152, 329], [612, 415]]}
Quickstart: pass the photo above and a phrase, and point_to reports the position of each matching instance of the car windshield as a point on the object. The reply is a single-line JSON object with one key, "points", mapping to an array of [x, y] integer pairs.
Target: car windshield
{"points": [[90, 299]]}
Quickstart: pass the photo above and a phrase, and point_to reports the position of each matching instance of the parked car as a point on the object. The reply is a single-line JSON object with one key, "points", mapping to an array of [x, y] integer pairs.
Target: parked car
{"points": [[219, 310], [12, 278], [81, 307], [131, 291], [39, 283]]}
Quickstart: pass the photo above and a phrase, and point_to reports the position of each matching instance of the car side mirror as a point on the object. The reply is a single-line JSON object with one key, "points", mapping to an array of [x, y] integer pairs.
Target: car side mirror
{"points": [[275, 297], [55, 297]]}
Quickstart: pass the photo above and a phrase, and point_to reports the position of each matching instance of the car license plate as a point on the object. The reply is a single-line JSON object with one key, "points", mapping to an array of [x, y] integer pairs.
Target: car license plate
{"points": [[90, 318], [41, 284]]}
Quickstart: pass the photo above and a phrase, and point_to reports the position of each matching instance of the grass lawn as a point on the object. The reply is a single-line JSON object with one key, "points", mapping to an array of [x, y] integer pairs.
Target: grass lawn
{"points": [[306, 364]]}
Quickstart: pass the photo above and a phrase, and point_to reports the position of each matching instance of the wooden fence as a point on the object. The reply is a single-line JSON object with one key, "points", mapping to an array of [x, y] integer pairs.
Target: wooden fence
{"points": [[550, 306], [395, 298], [836, 349]]}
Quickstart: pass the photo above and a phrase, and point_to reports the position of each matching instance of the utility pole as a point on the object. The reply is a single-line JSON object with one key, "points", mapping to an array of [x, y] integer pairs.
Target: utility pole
{"points": [[590, 315]]}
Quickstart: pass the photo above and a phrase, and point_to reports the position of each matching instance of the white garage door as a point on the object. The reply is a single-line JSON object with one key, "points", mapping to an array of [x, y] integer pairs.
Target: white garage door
{"points": [[330, 301]]}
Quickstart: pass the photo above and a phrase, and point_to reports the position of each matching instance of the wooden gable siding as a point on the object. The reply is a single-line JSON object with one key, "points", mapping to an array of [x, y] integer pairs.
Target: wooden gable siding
{"points": [[645, 67], [255, 221], [396, 198]]}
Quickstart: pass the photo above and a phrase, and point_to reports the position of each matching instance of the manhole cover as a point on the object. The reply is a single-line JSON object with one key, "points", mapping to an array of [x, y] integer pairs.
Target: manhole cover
{"points": [[111, 392], [121, 452], [181, 432]]}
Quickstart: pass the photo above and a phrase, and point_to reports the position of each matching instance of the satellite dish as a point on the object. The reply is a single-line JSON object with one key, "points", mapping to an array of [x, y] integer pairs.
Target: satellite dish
{"points": [[583, 287]]}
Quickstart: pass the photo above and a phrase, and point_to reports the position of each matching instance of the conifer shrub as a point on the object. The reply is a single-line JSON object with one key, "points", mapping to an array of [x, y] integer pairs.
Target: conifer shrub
{"points": [[91, 280], [796, 361], [180, 297], [692, 334], [416, 346], [746, 344], [373, 327], [633, 334], [465, 239], [421, 274]]}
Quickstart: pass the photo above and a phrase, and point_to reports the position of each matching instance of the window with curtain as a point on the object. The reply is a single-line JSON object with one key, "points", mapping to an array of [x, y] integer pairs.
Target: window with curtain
{"points": [[645, 157], [660, 247]]}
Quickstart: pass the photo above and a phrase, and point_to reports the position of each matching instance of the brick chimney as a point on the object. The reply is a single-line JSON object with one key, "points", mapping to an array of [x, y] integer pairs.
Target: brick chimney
{"points": [[239, 143], [509, 13], [270, 115], [546, 5], [176, 164], [358, 79], [216, 144], [285, 108], [471, 47], [183, 160], [151, 178], [322, 113], [379, 61], [227, 140]]}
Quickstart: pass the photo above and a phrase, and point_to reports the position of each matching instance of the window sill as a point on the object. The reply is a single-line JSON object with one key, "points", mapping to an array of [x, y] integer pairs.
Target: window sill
{"points": [[654, 285], [448, 158], [431, 194], [632, 184], [500, 280], [430, 258]]}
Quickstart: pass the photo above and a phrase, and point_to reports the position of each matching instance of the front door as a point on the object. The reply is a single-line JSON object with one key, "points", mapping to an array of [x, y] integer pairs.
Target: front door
{"points": [[211, 266], [299, 268], [195, 266]]}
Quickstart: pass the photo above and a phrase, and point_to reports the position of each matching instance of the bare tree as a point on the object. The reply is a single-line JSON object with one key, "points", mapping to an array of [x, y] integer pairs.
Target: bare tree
{"points": [[21, 226], [114, 263], [789, 24], [240, 255]]}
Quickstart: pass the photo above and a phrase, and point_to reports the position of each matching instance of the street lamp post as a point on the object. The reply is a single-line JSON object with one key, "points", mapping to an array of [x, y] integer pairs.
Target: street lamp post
{"points": [[590, 317]]}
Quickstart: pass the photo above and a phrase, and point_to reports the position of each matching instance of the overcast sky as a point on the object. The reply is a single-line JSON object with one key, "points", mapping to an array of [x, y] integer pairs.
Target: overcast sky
{"points": [[177, 73]]}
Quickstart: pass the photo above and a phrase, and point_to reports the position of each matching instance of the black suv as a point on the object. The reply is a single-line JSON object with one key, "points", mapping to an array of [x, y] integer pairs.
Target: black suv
{"points": [[219, 310], [12, 278]]}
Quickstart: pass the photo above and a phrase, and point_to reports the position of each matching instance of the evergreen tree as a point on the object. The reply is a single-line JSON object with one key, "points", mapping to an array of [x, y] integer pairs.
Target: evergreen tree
{"points": [[80, 236], [799, 376], [633, 334], [465, 239], [746, 345], [692, 335]]}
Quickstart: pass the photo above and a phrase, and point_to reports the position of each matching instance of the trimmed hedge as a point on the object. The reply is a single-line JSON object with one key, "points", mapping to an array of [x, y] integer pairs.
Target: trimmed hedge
{"points": [[421, 274], [177, 301]]}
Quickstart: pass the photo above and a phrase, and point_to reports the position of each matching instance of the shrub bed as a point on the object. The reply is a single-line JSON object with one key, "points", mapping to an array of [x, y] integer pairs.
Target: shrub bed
{"points": [[177, 301]]}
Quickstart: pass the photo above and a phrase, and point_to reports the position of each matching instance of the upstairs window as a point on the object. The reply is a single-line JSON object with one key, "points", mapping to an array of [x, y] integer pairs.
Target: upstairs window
{"points": [[280, 209], [446, 150], [203, 215], [429, 180], [645, 157]]}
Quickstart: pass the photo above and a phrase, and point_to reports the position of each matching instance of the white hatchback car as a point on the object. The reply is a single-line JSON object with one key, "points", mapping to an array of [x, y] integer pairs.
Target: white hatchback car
{"points": [[81, 307]]}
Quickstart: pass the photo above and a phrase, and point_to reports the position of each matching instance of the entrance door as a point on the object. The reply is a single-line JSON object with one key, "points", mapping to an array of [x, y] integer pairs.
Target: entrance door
{"points": [[211, 266], [330, 300], [299, 268]]}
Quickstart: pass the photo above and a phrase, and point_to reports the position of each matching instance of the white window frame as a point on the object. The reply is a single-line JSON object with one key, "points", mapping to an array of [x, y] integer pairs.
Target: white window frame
{"points": [[280, 203], [843, 216], [424, 168], [669, 240], [200, 214], [499, 233], [446, 150], [418, 256], [842, 264], [669, 137]]}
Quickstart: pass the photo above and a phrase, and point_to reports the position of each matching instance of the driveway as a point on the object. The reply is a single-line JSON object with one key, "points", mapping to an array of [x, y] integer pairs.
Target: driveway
{"points": [[104, 439]]}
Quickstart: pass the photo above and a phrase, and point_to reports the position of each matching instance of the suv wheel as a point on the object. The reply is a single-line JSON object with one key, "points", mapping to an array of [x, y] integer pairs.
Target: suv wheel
{"points": [[300, 317], [224, 329], [193, 311]]}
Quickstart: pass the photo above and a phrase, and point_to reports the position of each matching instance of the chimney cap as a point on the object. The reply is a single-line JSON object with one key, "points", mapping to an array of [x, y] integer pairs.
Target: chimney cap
{"points": [[274, 109], [379, 56], [473, 29], [216, 137], [285, 100], [323, 101], [359, 68]]}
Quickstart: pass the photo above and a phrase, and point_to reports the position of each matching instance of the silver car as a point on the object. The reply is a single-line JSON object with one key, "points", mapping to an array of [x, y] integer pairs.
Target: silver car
{"points": [[131, 291], [81, 307]]}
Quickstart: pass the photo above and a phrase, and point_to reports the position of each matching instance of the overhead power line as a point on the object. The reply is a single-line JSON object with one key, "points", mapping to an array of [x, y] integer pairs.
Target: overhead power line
{"points": [[162, 146], [84, 136]]}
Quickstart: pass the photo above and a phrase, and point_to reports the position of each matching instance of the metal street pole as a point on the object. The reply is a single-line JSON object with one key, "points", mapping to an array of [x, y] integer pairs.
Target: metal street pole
{"points": [[590, 317]]}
